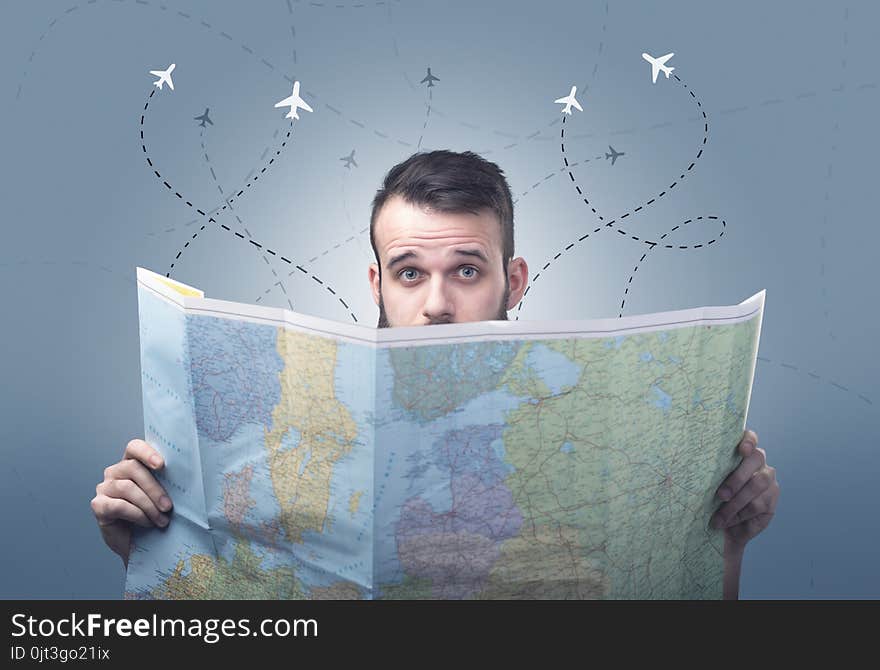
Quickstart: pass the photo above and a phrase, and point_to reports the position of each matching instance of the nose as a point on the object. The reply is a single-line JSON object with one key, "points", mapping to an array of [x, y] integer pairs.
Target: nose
{"points": [[438, 307]]}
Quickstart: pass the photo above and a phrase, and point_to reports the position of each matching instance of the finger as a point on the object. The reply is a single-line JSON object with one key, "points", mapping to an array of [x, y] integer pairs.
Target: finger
{"points": [[135, 471], [763, 504], [757, 484], [128, 490], [748, 442], [140, 450], [738, 478], [107, 510], [745, 531]]}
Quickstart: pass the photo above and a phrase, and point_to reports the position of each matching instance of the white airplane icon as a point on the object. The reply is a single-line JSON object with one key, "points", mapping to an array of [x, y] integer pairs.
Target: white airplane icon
{"points": [[658, 64], [569, 100], [164, 77], [294, 102]]}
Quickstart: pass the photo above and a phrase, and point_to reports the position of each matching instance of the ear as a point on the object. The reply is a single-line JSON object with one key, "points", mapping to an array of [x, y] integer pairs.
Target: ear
{"points": [[373, 276], [518, 277]]}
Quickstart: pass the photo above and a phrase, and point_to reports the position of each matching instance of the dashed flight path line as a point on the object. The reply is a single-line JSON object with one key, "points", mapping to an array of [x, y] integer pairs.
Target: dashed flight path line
{"points": [[211, 219], [216, 208], [826, 308], [815, 377], [269, 65], [631, 131], [227, 200], [350, 238], [397, 51], [670, 246], [586, 87], [553, 174], [536, 135], [292, 31], [85, 264], [427, 116], [612, 222], [237, 217]]}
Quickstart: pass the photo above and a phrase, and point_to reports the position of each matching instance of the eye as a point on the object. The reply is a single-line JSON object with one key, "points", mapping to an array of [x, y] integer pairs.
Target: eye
{"points": [[403, 274], [470, 270]]}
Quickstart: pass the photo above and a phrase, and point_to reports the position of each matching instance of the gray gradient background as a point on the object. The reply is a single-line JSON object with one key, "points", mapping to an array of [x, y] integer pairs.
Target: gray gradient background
{"points": [[791, 93]]}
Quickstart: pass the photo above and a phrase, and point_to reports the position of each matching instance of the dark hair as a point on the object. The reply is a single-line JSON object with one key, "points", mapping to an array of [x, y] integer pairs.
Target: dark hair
{"points": [[450, 182]]}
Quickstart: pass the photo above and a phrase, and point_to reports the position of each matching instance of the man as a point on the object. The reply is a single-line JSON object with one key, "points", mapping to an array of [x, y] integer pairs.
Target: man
{"points": [[442, 233]]}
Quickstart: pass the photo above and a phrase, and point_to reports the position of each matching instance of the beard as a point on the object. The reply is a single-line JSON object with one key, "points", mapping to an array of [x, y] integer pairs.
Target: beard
{"points": [[500, 314]]}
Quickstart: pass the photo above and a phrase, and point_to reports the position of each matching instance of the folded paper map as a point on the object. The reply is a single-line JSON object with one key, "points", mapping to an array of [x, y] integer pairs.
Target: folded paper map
{"points": [[313, 459]]}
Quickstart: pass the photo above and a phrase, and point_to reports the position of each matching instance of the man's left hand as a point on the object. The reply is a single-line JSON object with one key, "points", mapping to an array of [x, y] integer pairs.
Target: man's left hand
{"points": [[751, 492]]}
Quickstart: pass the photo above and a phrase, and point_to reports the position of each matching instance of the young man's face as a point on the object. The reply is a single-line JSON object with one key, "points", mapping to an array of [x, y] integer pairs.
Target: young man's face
{"points": [[441, 268]]}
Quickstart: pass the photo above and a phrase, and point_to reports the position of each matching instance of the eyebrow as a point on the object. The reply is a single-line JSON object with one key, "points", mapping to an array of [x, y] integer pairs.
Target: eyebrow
{"points": [[402, 257], [475, 253]]}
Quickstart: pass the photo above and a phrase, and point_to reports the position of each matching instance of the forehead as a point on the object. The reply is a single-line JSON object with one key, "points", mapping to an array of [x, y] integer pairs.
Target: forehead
{"points": [[401, 224]]}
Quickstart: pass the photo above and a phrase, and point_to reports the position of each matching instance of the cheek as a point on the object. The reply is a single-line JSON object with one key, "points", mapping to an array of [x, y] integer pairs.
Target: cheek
{"points": [[400, 302], [478, 302]]}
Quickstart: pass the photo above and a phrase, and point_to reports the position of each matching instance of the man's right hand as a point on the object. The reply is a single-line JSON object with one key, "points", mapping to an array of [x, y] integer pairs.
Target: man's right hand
{"points": [[130, 494]]}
